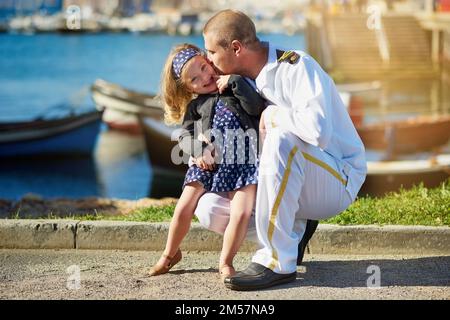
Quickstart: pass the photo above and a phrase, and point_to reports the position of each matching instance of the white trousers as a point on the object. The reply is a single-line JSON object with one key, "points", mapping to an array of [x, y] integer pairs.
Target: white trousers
{"points": [[296, 182]]}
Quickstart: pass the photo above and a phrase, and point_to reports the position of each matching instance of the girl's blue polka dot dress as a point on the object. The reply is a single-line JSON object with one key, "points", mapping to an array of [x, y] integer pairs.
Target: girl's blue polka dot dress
{"points": [[228, 175]]}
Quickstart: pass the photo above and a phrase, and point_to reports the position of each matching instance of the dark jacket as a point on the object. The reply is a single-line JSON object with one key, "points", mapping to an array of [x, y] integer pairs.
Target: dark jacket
{"points": [[240, 98]]}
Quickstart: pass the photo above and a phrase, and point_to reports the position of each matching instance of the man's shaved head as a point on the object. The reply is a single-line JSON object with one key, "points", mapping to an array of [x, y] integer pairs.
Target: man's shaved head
{"points": [[229, 25]]}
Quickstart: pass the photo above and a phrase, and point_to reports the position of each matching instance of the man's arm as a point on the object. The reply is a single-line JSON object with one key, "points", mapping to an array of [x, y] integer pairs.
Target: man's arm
{"points": [[250, 100]]}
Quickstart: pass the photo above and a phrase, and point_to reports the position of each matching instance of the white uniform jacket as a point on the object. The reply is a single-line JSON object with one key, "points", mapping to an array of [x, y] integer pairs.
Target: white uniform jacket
{"points": [[306, 102]]}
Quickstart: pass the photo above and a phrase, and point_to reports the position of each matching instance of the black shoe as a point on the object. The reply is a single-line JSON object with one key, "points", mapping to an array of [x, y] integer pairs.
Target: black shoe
{"points": [[256, 277], [311, 226]]}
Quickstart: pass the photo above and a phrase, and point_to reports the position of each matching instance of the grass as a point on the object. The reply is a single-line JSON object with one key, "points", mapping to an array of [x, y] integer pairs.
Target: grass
{"points": [[150, 214], [416, 206]]}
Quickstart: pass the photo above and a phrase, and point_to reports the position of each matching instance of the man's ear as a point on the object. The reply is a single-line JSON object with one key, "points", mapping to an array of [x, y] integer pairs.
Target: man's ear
{"points": [[236, 45]]}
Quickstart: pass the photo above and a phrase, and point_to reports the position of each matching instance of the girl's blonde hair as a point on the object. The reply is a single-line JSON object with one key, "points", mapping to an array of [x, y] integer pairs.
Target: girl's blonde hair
{"points": [[175, 95]]}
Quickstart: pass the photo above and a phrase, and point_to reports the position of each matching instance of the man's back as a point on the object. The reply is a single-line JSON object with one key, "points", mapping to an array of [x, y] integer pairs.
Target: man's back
{"points": [[308, 104]]}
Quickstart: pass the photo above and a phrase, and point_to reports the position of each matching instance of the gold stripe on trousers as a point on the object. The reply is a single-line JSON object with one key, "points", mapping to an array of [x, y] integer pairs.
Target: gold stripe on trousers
{"points": [[284, 181]]}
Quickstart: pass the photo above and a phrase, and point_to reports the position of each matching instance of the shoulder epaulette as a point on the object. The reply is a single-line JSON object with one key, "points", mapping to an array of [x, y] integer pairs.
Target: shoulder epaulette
{"points": [[287, 56]]}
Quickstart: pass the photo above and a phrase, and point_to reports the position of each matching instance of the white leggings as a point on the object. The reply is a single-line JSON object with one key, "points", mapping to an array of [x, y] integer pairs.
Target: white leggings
{"points": [[213, 212], [296, 182]]}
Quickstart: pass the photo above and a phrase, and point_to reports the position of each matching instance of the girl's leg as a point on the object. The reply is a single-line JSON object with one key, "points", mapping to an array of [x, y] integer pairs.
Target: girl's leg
{"points": [[179, 227], [241, 207]]}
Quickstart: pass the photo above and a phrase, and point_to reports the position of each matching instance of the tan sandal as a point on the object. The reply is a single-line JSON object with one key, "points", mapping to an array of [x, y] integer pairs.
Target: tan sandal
{"points": [[226, 271], [157, 270]]}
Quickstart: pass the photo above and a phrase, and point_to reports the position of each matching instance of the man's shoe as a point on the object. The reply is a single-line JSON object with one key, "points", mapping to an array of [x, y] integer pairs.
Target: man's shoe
{"points": [[311, 226], [256, 277]]}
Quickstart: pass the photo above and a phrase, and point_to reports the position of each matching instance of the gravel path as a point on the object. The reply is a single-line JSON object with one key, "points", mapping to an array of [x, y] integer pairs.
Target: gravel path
{"points": [[51, 274]]}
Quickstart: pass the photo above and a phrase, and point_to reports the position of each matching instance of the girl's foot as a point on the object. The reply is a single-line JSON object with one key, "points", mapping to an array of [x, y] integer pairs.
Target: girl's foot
{"points": [[164, 264], [226, 271]]}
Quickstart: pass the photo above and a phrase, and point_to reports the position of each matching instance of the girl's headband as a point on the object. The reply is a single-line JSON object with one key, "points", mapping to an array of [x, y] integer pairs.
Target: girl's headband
{"points": [[181, 58]]}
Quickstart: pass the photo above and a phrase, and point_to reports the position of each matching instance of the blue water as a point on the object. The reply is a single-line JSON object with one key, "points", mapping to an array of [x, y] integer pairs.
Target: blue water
{"points": [[39, 71], [44, 70]]}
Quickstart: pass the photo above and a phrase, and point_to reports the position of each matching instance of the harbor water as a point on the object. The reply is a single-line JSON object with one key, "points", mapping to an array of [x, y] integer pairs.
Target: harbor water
{"points": [[39, 72]]}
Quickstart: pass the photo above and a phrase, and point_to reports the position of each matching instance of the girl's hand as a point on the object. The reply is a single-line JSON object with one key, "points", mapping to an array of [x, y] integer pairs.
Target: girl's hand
{"points": [[222, 82], [207, 161]]}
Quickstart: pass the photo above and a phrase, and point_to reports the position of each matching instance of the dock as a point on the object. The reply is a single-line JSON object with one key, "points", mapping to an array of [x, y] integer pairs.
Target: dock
{"points": [[409, 54], [399, 46]]}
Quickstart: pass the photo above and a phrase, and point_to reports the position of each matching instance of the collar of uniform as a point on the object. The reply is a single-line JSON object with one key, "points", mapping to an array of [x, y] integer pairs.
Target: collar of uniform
{"points": [[271, 63]]}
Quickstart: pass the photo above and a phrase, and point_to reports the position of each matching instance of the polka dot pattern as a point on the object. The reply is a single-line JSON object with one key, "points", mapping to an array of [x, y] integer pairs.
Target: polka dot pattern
{"points": [[230, 174], [181, 58]]}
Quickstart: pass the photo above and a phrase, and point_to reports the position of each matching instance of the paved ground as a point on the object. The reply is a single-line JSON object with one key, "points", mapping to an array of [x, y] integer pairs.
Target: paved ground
{"points": [[52, 274]]}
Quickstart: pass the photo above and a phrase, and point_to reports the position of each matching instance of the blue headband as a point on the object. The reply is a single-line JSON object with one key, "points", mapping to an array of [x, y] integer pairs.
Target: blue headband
{"points": [[181, 58]]}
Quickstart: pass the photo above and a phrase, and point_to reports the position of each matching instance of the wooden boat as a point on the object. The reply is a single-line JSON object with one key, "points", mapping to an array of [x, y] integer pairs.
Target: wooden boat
{"points": [[418, 134], [74, 134], [412, 135], [386, 176], [164, 154], [121, 106], [394, 138], [124, 122], [382, 177]]}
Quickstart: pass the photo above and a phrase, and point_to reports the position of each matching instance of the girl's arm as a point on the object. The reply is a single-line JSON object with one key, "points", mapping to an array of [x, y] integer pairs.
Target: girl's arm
{"points": [[187, 139], [250, 100]]}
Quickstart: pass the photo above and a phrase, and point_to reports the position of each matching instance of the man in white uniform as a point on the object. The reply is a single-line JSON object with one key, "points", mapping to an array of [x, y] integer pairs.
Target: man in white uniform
{"points": [[312, 162]]}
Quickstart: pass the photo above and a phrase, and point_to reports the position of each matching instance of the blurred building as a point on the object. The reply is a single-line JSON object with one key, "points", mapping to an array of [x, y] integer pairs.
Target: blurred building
{"points": [[122, 8], [11, 8], [129, 8], [107, 7]]}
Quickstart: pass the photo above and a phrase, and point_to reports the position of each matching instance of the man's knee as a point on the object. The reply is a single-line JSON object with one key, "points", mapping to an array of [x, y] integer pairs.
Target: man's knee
{"points": [[277, 151], [213, 212], [203, 211], [282, 141]]}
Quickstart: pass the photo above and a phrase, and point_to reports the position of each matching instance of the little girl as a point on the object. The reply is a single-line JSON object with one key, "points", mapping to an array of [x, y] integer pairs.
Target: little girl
{"points": [[211, 107]]}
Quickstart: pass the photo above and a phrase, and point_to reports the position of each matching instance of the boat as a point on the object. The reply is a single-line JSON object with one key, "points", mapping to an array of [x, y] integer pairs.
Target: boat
{"points": [[122, 122], [382, 176], [413, 135], [163, 152], [72, 134], [387, 176], [423, 133], [121, 105]]}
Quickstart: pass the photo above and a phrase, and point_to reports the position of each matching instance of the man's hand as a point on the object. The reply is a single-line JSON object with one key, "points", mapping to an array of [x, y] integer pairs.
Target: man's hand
{"points": [[262, 127], [222, 82]]}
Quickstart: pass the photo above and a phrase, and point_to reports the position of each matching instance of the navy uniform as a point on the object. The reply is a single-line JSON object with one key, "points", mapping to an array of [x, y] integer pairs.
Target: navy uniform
{"points": [[312, 163]]}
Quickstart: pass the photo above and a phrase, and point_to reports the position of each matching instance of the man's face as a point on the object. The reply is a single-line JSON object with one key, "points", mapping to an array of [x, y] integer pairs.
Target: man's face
{"points": [[223, 59]]}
